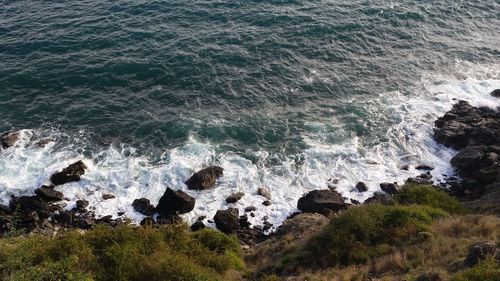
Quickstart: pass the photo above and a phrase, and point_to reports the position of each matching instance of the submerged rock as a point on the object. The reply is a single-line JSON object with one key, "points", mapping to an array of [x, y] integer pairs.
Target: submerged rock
{"points": [[143, 206], [325, 202], [205, 179], [69, 174], [175, 202], [9, 139], [227, 221], [49, 194]]}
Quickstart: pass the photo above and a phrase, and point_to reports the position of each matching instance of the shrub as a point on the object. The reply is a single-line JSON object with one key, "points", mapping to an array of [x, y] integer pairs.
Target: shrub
{"points": [[362, 233], [422, 194], [122, 253], [488, 270]]}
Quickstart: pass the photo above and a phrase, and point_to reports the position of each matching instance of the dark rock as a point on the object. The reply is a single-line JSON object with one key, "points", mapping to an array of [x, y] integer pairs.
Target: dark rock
{"points": [[479, 252], [324, 202], [6, 224], [175, 202], [405, 167], [198, 225], [143, 206], [69, 174], [244, 223], [49, 194], [147, 221], [467, 158], [267, 225], [389, 188], [495, 93], [26, 205], [107, 196], [354, 202], [235, 197], [81, 205], [250, 209], [251, 236], [430, 277], [424, 167], [227, 221], [105, 219], [9, 139], [361, 186], [204, 179], [489, 159], [5, 210], [425, 178], [43, 143], [120, 214], [381, 198], [266, 203], [264, 192]]}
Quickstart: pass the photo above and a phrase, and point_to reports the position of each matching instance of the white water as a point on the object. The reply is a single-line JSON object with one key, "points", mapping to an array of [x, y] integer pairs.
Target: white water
{"points": [[128, 175]]}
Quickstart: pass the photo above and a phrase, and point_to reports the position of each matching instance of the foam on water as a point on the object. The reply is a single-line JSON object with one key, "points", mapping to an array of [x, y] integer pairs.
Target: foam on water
{"points": [[122, 171]]}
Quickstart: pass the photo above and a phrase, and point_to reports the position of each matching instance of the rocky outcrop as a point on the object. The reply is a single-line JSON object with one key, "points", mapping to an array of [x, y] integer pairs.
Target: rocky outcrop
{"points": [[227, 221], [143, 206], [479, 252], [381, 198], [48, 193], [9, 139], [175, 202], [325, 202], [69, 174], [205, 179]]}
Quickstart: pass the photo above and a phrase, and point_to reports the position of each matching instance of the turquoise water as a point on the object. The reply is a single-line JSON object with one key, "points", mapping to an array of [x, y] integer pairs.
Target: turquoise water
{"points": [[285, 94]]}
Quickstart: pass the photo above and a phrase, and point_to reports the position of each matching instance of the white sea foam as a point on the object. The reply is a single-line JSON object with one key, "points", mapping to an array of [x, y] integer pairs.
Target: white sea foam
{"points": [[128, 175]]}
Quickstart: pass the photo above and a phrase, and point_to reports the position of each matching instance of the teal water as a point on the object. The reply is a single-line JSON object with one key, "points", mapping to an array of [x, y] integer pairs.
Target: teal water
{"points": [[295, 91]]}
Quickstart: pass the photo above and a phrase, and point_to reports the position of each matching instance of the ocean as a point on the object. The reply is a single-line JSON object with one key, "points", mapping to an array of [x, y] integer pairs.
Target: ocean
{"points": [[290, 96]]}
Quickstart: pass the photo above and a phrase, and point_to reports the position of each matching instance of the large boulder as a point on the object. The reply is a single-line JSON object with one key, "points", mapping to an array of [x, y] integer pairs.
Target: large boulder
{"points": [[468, 158], [495, 93], [204, 179], [479, 252], [325, 202], [9, 139], [361, 186], [48, 193], [389, 188], [175, 202], [143, 206], [69, 174], [227, 221]]}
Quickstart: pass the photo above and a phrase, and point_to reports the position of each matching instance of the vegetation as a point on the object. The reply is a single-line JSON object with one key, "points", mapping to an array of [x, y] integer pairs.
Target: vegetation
{"points": [[121, 253], [428, 195]]}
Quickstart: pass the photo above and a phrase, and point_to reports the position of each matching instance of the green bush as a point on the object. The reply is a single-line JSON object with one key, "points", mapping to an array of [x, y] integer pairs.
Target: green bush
{"points": [[488, 270], [122, 253], [362, 233], [422, 194]]}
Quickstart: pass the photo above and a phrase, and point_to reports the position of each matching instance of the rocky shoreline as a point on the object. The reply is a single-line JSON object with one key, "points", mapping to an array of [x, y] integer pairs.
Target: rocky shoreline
{"points": [[474, 132]]}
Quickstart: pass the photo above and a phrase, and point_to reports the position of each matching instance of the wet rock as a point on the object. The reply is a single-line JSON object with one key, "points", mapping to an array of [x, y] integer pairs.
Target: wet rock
{"points": [[175, 202], [250, 209], [405, 167], [389, 188], [69, 174], [43, 143], [49, 194], [424, 167], [147, 221], [5, 210], [198, 225], [495, 93], [266, 203], [27, 205], [81, 205], [325, 202], [264, 192], [9, 139], [204, 179], [107, 196], [425, 178], [381, 198], [244, 223], [361, 186], [227, 221], [120, 214], [467, 158], [479, 252], [235, 197], [143, 206]]}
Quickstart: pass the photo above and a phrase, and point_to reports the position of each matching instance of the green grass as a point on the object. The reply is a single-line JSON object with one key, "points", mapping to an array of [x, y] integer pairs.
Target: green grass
{"points": [[421, 194], [488, 270], [121, 253], [363, 233]]}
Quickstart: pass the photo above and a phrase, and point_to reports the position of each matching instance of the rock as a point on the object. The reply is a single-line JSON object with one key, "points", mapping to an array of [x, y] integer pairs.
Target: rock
{"points": [[264, 192], [425, 178], [250, 209], [69, 174], [43, 143], [244, 223], [25, 205], [120, 213], [424, 167], [235, 197], [204, 179], [479, 252], [107, 196], [227, 221], [9, 139], [361, 186], [325, 202], [49, 194], [467, 158], [266, 203], [175, 202], [389, 188], [430, 277], [489, 159], [5, 210], [198, 225], [81, 205], [495, 93], [143, 206], [381, 198], [405, 167], [147, 221]]}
